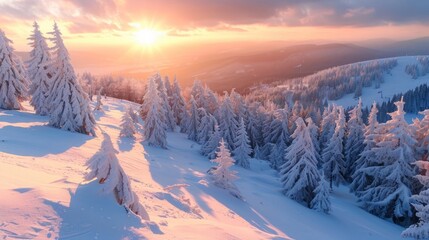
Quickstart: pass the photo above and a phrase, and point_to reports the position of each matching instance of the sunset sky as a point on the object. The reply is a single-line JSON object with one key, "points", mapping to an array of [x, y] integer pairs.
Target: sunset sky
{"points": [[150, 26]]}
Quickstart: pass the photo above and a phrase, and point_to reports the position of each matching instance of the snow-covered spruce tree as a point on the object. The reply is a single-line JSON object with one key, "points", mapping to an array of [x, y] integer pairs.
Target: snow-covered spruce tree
{"points": [[154, 124], [210, 147], [277, 154], [168, 88], [238, 105], [105, 167], [69, 104], [133, 115], [212, 101], [296, 113], [332, 155], [198, 92], [227, 122], [354, 139], [242, 148], [267, 122], [127, 125], [178, 105], [314, 134], [327, 127], [169, 117], [299, 175], [267, 119], [206, 126], [420, 202], [222, 176], [422, 134], [22, 70], [389, 194], [279, 127], [361, 180], [98, 104], [37, 66], [254, 125], [193, 121], [13, 83], [87, 80], [321, 200]]}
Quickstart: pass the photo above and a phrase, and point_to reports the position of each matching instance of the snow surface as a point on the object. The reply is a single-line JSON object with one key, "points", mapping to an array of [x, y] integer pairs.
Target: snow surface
{"points": [[396, 82], [43, 194]]}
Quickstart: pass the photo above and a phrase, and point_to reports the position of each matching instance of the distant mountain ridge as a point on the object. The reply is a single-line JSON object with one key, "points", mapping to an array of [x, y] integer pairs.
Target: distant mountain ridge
{"points": [[260, 64]]}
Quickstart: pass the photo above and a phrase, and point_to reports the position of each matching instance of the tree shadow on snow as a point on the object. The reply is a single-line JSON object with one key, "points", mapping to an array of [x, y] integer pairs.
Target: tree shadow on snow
{"points": [[182, 164], [126, 144], [38, 141], [95, 215], [98, 114], [167, 172], [13, 116], [241, 208]]}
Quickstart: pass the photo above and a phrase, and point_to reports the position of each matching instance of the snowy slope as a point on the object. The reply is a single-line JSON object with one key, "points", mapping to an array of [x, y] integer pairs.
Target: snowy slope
{"points": [[43, 195], [394, 83]]}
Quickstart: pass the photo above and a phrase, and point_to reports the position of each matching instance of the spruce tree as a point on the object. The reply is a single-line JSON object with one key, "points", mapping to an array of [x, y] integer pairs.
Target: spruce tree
{"points": [[242, 148], [154, 124], [98, 104], [277, 154], [87, 79], [198, 92], [206, 126], [168, 88], [299, 175], [421, 128], [327, 127], [296, 113], [314, 134], [393, 184], [332, 155], [223, 177], [354, 139], [194, 121], [253, 128], [105, 167], [420, 230], [133, 114], [209, 148], [169, 117], [37, 65], [321, 200], [13, 82], [212, 101], [227, 122], [69, 104], [127, 125], [178, 106], [361, 180]]}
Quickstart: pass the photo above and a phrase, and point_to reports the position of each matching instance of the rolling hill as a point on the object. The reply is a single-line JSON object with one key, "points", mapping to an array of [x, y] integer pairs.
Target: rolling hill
{"points": [[44, 195]]}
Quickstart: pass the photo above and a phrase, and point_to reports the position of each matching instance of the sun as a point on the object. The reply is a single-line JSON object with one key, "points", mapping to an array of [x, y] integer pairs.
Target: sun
{"points": [[148, 37]]}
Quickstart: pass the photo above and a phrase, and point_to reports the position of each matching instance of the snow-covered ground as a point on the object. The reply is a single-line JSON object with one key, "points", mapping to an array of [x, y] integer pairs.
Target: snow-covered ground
{"points": [[394, 83], [43, 194]]}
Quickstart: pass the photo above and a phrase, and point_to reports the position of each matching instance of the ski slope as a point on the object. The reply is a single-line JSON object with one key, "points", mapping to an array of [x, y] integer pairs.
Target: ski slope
{"points": [[43, 194], [396, 82]]}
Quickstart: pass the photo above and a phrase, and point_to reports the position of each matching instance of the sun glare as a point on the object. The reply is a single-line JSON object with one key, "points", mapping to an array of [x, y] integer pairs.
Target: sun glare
{"points": [[148, 37]]}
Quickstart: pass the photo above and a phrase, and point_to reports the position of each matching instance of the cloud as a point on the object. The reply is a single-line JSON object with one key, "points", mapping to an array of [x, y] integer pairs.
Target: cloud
{"points": [[91, 16]]}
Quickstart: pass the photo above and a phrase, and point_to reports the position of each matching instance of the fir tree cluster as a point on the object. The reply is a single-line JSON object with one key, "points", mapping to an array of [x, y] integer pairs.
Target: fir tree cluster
{"points": [[49, 78]]}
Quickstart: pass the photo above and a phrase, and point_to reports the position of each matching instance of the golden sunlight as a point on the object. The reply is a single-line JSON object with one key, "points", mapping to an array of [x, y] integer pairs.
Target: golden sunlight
{"points": [[148, 37]]}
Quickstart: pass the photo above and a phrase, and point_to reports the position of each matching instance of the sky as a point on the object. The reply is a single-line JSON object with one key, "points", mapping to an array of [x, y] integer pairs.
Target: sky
{"points": [[151, 27]]}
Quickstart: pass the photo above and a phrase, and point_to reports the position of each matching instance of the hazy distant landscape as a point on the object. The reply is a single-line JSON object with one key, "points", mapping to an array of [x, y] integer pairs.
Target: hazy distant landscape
{"points": [[225, 66]]}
